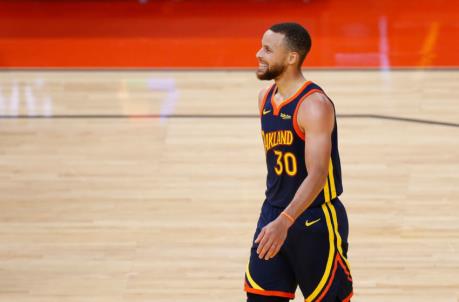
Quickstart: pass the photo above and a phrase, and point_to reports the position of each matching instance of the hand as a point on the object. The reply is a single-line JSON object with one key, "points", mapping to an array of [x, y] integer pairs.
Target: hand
{"points": [[272, 237]]}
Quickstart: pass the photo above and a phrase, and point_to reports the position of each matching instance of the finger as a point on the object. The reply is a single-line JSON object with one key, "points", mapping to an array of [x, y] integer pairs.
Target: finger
{"points": [[263, 242], [277, 247], [265, 249], [271, 252], [260, 236], [276, 251]]}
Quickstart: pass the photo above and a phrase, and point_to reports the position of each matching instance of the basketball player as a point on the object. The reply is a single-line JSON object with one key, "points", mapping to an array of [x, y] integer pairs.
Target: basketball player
{"points": [[301, 236]]}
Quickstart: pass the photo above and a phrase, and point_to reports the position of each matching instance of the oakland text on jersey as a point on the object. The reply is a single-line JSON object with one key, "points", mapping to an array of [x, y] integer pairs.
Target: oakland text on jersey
{"points": [[276, 138]]}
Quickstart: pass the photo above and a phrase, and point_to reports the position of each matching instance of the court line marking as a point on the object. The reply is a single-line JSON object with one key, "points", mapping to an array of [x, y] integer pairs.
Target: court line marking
{"points": [[210, 116]]}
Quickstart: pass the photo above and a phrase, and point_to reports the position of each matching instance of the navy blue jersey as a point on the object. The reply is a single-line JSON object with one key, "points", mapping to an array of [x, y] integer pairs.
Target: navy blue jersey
{"points": [[284, 144]]}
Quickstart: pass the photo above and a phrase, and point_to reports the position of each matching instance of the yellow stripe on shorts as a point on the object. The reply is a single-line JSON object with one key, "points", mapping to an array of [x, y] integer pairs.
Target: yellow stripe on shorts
{"points": [[251, 281], [331, 253], [338, 236]]}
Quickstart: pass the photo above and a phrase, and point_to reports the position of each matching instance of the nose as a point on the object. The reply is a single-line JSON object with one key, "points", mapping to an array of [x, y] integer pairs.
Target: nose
{"points": [[259, 54]]}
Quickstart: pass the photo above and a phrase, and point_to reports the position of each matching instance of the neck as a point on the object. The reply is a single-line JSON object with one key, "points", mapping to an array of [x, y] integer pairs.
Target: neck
{"points": [[289, 82]]}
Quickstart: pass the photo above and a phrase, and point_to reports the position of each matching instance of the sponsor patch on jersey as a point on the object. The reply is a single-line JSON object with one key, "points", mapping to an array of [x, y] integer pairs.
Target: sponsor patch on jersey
{"points": [[285, 116]]}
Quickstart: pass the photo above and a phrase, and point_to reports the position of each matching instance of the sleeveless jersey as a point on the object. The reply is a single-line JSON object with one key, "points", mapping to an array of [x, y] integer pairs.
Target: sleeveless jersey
{"points": [[284, 144]]}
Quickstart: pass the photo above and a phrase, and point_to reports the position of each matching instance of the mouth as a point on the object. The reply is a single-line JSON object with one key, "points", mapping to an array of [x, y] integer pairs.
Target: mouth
{"points": [[262, 67]]}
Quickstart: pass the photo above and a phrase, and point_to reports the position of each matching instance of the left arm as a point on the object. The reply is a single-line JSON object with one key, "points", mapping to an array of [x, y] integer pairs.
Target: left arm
{"points": [[316, 118]]}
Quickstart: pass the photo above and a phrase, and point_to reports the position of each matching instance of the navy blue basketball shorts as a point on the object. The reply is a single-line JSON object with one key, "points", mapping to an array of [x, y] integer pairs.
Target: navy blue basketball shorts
{"points": [[313, 257]]}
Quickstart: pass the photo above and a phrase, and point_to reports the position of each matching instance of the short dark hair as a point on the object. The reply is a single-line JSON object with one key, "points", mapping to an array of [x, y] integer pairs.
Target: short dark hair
{"points": [[296, 36]]}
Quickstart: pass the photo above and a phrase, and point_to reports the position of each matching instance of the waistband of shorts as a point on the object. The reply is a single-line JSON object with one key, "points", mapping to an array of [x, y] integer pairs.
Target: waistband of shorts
{"points": [[313, 206]]}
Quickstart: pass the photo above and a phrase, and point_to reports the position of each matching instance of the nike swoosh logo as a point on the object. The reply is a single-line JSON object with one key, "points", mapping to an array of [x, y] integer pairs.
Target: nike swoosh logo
{"points": [[266, 111], [308, 224]]}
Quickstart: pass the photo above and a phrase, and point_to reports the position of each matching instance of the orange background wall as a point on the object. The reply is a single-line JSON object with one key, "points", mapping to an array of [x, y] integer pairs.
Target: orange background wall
{"points": [[221, 34]]}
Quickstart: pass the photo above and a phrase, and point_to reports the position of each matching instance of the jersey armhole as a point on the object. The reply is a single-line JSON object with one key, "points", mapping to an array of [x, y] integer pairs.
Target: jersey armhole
{"points": [[265, 97], [296, 126]]}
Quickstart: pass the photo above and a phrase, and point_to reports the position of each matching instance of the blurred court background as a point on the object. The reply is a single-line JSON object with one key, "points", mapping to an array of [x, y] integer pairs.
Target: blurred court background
{"points": [[131, 162]]}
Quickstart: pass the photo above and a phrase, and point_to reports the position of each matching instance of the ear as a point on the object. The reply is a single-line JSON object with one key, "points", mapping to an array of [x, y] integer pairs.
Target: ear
{"points": [[293, 58]]}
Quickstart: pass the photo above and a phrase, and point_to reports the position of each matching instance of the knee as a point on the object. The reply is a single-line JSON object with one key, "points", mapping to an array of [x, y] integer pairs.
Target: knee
{"points": [[260, 298]]}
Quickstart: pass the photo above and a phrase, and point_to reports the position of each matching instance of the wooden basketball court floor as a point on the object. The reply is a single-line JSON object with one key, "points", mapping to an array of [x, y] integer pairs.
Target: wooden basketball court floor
{"points": [[146, 185]]}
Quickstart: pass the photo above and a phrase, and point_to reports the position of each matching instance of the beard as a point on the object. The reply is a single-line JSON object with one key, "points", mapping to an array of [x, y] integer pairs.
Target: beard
{"points": [[270, 73]]}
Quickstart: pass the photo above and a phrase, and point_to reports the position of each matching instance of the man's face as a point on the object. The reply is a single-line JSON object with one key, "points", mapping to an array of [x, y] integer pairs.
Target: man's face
{"points": [[272, 57]]}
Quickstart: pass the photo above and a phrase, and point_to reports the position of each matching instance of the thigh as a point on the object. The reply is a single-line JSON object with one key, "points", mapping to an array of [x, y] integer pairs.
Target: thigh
{"points": [[316, 250], [273, 277]]}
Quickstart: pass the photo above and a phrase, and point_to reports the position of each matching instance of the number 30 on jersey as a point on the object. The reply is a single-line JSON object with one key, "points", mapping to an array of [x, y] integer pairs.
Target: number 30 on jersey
{"points": [[285, 162]]}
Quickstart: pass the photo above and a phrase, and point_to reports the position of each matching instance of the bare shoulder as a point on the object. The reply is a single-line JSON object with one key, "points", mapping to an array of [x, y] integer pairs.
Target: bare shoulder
{"points": [[316, 112], [261, 96]]}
